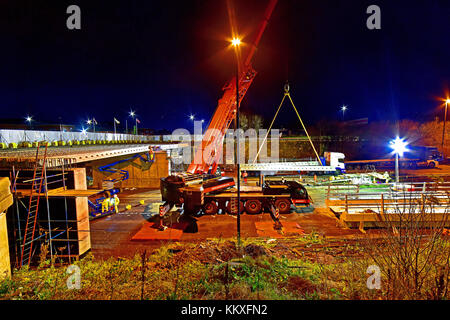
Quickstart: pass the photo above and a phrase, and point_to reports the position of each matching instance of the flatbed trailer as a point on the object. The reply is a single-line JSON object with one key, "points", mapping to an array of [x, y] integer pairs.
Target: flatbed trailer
{"points": [[416, 157], [390, 164], [219, 194]]}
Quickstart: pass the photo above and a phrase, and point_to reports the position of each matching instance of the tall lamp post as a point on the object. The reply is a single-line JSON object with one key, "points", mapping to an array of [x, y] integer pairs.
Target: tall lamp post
{"points": [[89, 123], [132, 115], [29, 119], [343, 109], [236, 42], [398, 147], [443, 129]]}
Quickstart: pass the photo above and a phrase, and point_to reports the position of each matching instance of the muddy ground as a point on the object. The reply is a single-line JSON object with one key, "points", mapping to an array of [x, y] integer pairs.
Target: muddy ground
{"points": [[112, 235]]}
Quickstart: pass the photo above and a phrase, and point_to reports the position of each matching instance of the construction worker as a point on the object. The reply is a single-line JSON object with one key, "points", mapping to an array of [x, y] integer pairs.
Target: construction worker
{"points": [[115, 202], [105, 205], [245, 175], [152, 155]]}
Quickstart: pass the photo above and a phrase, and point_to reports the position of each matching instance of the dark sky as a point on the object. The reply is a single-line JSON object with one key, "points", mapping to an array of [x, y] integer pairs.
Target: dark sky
{"points": [[168, 59]]}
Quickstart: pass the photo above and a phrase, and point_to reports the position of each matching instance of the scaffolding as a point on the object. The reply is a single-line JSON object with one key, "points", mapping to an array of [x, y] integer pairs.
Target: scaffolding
{"points": [[35, 224]]}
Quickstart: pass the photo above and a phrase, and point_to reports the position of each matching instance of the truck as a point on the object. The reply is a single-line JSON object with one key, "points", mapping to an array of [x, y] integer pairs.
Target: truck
{"points": [[213, 195], [415, 157]]}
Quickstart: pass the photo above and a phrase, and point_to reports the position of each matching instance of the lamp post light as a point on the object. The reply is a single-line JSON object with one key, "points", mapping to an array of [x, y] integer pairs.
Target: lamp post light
{"points": [[132, 115], [343, 109], [89, 122], [236, 42], [398, 146], [84, 132], [29, 119], [447, 102]]}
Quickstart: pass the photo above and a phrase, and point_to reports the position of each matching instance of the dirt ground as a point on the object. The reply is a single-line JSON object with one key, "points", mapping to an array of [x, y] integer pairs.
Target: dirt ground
{"points": [[112, 235]]}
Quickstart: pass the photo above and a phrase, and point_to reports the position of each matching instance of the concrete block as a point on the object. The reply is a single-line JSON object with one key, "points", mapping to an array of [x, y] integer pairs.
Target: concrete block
{"points": [[5, 267]]}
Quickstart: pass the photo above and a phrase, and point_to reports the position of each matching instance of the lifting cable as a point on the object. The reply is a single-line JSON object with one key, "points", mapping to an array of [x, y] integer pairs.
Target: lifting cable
{"points": [[287, 94]]}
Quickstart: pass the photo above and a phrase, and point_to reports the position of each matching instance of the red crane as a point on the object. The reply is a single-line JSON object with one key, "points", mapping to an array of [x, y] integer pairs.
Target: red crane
{"points": [[207, 156]]}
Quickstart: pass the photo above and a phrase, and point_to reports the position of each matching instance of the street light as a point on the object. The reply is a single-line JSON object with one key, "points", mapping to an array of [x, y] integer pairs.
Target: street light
{"points": [[343, 109], [399, 147], [29, 119], [447, 102], [133, 115], [191, 117], [236, 42]]}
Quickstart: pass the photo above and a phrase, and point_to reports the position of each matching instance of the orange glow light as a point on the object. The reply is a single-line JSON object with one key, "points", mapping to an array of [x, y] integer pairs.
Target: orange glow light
{"points": [[236, 42]]}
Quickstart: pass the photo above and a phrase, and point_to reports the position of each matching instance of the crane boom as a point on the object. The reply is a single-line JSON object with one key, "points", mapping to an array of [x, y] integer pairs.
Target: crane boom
{"points": [[207, 156]]}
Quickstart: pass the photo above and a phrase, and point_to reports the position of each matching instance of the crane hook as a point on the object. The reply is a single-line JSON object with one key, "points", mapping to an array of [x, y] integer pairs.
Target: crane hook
{"points": [[286, 87]]}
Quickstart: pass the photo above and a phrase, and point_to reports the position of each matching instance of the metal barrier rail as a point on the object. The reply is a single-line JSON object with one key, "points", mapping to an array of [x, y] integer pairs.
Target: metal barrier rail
{"points": [[428, 202], [338, 191]]}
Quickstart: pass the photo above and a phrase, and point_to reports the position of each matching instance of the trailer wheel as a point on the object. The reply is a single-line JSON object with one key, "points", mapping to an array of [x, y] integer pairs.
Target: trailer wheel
{"points": [[211, 208], [241, 207], [283, 206], [253, 206]]}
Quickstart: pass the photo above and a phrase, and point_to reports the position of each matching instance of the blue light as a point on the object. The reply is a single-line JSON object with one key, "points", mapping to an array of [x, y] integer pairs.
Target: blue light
{"points": [[398, 146]]}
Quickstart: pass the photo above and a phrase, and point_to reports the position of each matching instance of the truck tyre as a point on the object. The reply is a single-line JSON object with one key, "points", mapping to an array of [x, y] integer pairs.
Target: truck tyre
{"points": [[211, 208], [431, 165], [253, 206], [283, 206]]}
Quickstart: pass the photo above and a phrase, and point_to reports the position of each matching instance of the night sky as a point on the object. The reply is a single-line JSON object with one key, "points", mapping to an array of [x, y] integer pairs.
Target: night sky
{"points": [[168, 59]]}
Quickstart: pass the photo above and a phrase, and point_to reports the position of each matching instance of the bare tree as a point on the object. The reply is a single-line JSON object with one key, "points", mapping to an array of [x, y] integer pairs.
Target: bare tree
{"points": [[413, 255]]}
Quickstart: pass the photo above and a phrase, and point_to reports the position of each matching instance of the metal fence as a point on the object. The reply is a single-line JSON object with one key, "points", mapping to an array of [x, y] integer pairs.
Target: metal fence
{"points": [[16, 136]]}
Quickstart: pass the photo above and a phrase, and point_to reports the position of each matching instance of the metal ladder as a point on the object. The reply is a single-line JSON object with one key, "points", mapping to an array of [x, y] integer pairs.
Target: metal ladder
{"points": [[33, 207]]}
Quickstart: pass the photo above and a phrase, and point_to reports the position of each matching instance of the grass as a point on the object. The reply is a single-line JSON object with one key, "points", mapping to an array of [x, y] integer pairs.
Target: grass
{"points": [[174, 271], [213, 269]]}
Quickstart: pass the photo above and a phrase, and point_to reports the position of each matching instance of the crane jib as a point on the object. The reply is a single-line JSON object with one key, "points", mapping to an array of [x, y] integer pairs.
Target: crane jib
{"points": [[207, 157]]}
